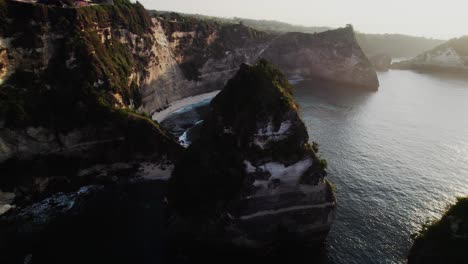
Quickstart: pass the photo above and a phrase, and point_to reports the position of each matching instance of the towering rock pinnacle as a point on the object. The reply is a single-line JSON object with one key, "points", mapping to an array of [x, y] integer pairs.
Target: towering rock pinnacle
{"points": [[254, 163]]}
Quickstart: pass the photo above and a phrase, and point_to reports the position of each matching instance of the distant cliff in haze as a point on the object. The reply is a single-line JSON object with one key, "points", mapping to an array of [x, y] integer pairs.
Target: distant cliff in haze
{"points": [[451, 57], [393, 45]]}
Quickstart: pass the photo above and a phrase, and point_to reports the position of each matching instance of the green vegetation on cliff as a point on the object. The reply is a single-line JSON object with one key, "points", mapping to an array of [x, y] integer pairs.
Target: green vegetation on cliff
{"points": [[444, 240], [72, 72], [212, 172], [87, 66]]}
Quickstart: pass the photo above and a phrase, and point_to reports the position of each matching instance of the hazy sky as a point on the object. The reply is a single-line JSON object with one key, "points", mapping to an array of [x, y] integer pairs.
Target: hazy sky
{"points": [[430, 18]]}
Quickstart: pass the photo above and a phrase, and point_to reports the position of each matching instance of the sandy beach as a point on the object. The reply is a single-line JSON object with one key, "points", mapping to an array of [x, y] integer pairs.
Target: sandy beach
{"points": [[180, 104]]}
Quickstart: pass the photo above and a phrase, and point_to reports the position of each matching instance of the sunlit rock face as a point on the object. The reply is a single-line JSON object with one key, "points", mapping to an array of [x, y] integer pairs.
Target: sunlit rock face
{"points": [[194, 56], [253, 163], [451, 56], [3, 64], [68, 77], [333, 55], [198, 56]]}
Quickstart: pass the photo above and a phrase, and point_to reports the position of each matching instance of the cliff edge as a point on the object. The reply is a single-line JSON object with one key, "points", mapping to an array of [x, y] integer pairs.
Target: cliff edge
{"points": [[334, 55]]}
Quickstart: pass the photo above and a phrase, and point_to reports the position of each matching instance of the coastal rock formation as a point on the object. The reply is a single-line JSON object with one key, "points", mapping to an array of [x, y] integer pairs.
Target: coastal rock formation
{"points": [[68, 95], [75, 81], [381, 62], [76, 85], [195, 57], [252, 172], [451, 57], [208, 54], [445, 240], [333, 55]]}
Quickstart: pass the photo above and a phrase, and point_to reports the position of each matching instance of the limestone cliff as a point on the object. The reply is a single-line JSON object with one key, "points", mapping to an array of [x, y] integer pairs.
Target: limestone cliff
{"points": [[74, 82], [209, 53], [70, 82], [200, 56], [253, 163], [333, 55], [451, 56]]}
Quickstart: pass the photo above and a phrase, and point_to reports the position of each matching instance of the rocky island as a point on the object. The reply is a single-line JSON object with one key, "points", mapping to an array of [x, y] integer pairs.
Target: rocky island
{"points": [[450, 57], [254, 167]]}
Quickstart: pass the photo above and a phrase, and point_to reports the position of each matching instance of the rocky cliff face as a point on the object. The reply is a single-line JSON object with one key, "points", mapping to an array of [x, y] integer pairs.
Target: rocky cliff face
{"points": [[208, 54], [200, 56], [333, 55], [451, 56], [75, 84], [254, 164], [70, 82]]}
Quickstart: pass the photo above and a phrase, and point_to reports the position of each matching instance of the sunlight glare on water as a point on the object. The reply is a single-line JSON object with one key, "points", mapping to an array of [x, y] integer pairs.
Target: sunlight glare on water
{"points": [[397, 156]]}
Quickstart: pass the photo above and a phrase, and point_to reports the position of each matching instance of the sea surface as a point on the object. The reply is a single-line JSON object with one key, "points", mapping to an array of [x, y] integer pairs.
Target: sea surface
{"points": [[398, 157]]}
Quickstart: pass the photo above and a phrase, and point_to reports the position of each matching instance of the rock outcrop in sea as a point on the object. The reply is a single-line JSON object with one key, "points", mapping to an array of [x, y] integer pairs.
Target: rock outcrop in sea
{"points": [[450, 57], [252, 178]]}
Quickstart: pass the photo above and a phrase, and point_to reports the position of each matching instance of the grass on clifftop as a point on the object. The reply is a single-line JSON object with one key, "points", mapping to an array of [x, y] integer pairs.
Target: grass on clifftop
{"points": [[260, 89]]}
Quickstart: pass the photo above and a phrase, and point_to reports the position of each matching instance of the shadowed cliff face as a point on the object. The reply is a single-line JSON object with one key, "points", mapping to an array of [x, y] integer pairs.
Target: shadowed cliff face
{"points": [[253, 161], [333, 55]]}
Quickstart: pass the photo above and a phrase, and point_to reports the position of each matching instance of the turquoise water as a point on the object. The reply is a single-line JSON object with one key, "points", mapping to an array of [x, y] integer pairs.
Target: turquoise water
{"points": [[397, 157]]}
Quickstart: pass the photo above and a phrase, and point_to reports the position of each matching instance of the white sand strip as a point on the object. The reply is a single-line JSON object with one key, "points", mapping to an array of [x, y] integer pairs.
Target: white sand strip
{"points": [[179, 104]]}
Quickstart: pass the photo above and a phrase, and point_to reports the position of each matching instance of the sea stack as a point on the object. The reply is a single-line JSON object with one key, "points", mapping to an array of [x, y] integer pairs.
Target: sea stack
{"points": [[253, 173]]}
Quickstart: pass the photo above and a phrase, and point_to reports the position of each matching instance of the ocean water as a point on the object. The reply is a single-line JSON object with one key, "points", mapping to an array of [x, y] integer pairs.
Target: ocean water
{"points": [[398, 157]]}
